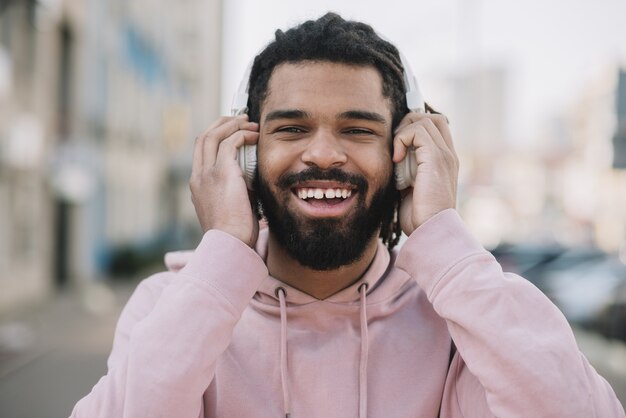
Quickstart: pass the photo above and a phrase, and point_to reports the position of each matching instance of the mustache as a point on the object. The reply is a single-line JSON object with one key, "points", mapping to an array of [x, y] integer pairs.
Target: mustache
{"points": [[288, 180]]}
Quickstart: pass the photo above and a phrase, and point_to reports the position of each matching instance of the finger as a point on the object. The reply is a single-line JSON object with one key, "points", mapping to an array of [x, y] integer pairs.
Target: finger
{"points": [[196, 163], [220, 122], [198, 149], [216, 136], [442, 124], [440, 120], [225, 119], [414, 117], [226, 125], [414, 136], [408, 119], [442, 140], [435, 125], [434, 133], [227, 152]]}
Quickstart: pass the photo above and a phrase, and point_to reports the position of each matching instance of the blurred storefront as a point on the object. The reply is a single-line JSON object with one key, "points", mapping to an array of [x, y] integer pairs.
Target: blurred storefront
{"points": [[99, 105]]}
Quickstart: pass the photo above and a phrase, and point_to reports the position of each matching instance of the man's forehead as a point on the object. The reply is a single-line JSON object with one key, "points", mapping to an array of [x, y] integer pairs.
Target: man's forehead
{"points": [[345, 87], [298, 68], [279, 114]]}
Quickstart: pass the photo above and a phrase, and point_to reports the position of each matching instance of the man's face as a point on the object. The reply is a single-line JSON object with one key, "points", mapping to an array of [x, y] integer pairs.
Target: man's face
{"points": [[325, 174]]}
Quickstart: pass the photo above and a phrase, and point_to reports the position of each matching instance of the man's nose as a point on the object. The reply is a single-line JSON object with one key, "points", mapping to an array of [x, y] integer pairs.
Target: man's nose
{"points": [[324, 150]]}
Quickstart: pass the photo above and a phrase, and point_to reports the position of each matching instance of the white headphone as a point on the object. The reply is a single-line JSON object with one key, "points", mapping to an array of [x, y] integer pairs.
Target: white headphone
{"points": [[405, 171]]}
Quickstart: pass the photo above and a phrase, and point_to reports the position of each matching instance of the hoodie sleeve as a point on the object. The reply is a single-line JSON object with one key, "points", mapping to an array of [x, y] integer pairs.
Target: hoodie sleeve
{"points": [[517, 352], [171, 332]]}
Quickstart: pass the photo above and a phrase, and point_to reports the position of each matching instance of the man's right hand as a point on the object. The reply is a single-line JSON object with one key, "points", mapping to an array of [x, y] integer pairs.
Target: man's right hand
{"points": [[218, 188]]}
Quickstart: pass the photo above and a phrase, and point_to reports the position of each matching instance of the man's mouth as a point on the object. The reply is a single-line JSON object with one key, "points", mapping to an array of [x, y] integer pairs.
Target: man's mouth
{"points": [[322, 199], [307, 193], [317, 187]]}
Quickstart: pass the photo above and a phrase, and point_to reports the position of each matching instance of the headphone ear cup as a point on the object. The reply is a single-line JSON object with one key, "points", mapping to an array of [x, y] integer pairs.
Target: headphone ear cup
{"points": [[246, 156], [406, 170]]}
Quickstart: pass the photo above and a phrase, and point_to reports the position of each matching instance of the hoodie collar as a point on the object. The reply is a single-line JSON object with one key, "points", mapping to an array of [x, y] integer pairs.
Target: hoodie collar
{"points": [[374, 273]]}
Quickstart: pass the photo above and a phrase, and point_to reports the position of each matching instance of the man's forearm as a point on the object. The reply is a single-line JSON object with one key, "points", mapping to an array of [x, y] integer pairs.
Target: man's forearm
{"points": [[511, 337], [165, 352]]}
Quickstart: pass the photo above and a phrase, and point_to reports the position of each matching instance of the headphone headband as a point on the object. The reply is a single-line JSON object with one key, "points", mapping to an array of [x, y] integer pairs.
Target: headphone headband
{"points": [[414, 98]]}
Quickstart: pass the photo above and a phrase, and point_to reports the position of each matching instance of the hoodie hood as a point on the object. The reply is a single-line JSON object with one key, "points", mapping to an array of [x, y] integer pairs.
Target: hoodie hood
{"points": [[373, 277]]}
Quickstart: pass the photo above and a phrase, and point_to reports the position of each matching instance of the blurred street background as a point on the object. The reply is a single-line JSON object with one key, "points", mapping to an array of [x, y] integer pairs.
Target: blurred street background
{"points": [[100, 101]]}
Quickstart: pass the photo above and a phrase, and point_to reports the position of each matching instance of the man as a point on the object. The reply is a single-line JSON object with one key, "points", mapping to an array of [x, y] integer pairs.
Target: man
{"points": [[321, 319]]}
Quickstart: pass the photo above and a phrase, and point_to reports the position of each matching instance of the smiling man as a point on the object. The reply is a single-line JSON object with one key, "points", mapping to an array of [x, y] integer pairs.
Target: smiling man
{"points": [[319, 315], [325, 178]]}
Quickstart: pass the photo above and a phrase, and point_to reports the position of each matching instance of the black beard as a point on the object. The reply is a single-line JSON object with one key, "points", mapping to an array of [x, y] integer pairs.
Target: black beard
{"points": [[325, 244]]}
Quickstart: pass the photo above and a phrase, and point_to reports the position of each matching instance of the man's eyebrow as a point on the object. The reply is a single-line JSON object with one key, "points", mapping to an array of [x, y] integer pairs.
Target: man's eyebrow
{"points": [[286, 114], [363, 114]]}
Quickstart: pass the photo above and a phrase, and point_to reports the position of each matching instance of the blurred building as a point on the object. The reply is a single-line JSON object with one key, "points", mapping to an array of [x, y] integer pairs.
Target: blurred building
{"points": [[593, 183], [99, 104], [29, 92], [565, 187], [477, 107], [160, 83]]}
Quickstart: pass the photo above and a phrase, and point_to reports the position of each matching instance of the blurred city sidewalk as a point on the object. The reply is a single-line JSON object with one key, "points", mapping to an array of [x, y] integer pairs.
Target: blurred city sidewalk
{"points": [[53, 354]]}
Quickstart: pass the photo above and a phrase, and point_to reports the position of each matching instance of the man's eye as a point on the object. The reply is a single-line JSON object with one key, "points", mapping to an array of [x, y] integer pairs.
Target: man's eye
{"points": [[358, 131], [290, 130]]}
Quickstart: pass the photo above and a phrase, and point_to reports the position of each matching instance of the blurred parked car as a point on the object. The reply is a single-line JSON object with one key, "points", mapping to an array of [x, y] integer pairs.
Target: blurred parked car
{"points": [[588, 285], [611, 321]]}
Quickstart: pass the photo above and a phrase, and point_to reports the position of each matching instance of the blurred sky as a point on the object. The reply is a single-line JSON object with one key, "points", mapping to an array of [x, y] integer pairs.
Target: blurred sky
{"points": [[549, 48]]}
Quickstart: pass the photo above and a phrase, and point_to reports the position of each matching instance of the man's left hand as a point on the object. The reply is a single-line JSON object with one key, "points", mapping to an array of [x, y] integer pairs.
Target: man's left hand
{"points": [[428, 136]]}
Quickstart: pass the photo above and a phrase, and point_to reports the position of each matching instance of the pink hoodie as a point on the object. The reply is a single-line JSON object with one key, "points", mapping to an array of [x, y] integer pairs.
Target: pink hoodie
{"points": [[218, 338]]}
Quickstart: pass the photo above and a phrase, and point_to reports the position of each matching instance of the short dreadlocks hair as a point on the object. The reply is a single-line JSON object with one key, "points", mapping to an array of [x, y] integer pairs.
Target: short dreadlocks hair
{"points": [[333, 39]]}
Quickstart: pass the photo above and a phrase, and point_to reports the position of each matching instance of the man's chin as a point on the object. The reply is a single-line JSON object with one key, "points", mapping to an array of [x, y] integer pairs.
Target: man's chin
{"points": [[324, 247], [321, 244], [335, 228]]}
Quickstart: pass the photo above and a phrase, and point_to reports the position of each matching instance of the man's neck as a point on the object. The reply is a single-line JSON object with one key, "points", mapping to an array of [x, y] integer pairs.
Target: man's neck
{"points": [[319, 284]]}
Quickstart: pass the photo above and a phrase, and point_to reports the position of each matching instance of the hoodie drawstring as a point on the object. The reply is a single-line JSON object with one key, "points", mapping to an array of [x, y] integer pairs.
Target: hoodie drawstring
{"points": [[280, 292], [364, 354]]}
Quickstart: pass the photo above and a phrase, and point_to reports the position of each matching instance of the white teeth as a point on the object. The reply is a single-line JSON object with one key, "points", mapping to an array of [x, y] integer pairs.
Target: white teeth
{"points": [[317, 193]]}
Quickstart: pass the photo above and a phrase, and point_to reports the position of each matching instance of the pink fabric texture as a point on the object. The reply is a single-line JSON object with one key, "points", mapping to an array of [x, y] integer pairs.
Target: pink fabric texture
{"points": [[204, 340]]}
